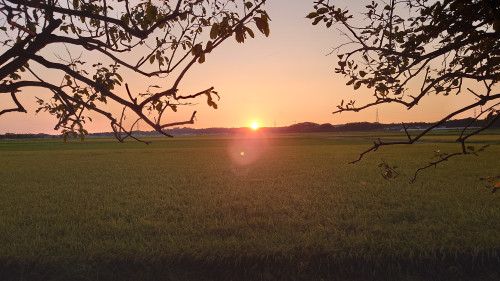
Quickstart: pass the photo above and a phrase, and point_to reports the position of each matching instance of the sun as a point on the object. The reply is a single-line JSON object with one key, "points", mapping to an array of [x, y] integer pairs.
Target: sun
{"points": [[254, 125]]}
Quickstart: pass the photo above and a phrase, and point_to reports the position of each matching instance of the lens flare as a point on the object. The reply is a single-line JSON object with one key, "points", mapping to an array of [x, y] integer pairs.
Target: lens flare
{"points": [[246, 149]]}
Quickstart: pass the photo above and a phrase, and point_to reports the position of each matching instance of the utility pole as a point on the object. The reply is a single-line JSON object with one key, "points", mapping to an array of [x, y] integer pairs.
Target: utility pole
{"points": [[376, 117]]}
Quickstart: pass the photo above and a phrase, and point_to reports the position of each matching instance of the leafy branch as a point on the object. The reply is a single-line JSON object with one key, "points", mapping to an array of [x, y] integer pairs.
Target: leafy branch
{"points": [[172, 35], [442, 45]]}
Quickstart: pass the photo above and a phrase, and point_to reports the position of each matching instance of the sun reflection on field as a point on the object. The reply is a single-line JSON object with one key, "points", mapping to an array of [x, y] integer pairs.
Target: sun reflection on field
{"points": [[246, 149]]}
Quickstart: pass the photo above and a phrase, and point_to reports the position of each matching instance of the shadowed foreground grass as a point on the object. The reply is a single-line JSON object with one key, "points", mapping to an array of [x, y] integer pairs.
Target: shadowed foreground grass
{"points": [[258, 208]]}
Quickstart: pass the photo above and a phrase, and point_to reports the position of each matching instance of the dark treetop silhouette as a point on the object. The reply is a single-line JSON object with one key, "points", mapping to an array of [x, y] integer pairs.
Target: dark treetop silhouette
{"points": [[172, 35], [451, 47]]}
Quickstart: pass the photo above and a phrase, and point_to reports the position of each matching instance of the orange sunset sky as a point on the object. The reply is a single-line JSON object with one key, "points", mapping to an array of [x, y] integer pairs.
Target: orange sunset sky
{"points": [[283, 79]]}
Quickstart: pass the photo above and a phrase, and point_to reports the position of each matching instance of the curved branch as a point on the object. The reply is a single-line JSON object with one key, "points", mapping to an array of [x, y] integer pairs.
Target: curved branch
{"points": [[19, 108], [433, 164], [88, 44], [381, 101], [17, 85], [411, 140], [190, 121]]}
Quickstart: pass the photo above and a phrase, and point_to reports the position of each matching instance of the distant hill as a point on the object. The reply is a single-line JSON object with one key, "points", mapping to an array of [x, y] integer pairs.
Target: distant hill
{"points": [[305, 127]]}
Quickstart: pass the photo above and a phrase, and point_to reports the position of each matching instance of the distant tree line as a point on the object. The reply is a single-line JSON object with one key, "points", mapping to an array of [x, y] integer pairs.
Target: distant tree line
{"points": [[28, 136], [367, 126], [304, 127]]}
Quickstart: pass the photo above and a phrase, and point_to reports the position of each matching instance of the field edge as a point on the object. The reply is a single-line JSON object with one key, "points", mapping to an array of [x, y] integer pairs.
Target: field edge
{"points": [[440, 265]]}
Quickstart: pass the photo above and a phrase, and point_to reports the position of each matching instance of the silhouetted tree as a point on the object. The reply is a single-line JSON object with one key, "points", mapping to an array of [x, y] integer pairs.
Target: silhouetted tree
{"points": [[450, 47], [150, 38]]}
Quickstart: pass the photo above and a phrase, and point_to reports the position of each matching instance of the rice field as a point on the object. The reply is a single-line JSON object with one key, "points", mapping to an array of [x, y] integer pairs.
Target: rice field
{"points": [[249, 207]]}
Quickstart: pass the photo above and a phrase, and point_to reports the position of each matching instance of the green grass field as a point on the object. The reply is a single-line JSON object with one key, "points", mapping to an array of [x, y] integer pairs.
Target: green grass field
{"points": [[246, 208]]}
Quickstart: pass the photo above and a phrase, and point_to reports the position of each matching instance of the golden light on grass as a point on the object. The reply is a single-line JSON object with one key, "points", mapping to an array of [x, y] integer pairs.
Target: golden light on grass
{"points": [[254, 125]]}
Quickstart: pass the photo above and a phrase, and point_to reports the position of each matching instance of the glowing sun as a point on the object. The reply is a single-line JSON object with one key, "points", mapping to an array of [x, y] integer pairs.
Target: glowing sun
{"points": [[254, 125]]}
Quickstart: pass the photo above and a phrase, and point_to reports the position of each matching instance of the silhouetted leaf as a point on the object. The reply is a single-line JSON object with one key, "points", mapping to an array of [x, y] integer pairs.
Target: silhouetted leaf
{"points": [[317, 20], [322, 10], [202, 58], [119, 77], [250, 32], [159, 106], [262, 25], [214, 31], [239, 36], [209, 46], [312, 15]]}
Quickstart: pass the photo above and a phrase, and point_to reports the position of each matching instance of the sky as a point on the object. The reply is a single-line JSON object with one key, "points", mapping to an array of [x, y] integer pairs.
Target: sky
{"points": [[284, 79]]}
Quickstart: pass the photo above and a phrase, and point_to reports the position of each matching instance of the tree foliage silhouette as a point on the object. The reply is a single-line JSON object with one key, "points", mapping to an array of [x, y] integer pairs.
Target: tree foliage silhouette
{"points": [[150, 38], [448, 47]]}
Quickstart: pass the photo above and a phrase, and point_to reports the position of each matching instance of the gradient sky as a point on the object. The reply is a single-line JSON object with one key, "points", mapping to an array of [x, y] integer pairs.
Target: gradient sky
{"points": [[283, 79]]}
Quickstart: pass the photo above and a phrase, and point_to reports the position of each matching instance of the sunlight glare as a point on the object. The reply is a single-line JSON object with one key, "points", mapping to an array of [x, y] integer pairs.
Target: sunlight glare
{"points": [[254, 125]]}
